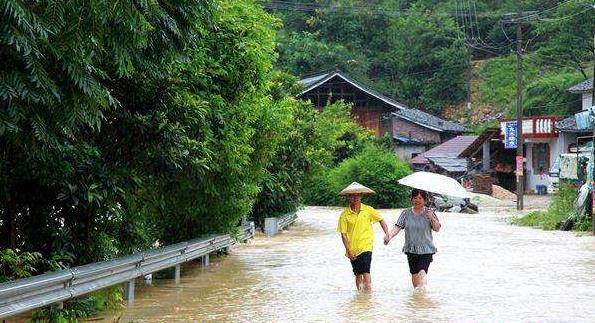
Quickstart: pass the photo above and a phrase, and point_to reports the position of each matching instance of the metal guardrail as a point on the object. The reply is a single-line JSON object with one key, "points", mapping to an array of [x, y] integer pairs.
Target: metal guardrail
{"points": [[273, 225], [26, 294], [286, 220]]}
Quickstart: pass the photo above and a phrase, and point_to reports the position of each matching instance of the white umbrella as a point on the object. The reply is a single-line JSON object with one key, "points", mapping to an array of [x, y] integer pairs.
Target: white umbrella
{"points": [[435, 183]]}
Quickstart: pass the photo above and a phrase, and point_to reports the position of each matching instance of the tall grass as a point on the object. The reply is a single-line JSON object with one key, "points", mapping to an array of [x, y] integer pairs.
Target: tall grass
{"points": [[561, 208]]}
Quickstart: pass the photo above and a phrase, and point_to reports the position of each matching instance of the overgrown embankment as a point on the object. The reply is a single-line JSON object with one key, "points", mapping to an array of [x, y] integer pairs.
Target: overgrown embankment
{"points": [[560, 210]]}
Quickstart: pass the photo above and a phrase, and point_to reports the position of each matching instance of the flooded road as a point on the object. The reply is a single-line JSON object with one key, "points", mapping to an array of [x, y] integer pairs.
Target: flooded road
{"points": [[485, 270]]}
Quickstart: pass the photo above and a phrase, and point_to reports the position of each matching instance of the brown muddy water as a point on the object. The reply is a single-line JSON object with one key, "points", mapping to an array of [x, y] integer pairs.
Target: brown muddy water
{"points": [[485, 270]]}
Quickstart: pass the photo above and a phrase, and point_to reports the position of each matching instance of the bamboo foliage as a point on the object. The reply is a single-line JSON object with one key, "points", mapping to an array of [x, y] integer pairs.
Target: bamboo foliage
{"points": [[59, 56]]}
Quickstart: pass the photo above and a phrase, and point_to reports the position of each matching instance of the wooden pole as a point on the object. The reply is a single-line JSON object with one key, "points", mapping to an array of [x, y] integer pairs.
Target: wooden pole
{"points": [[519, 115]]}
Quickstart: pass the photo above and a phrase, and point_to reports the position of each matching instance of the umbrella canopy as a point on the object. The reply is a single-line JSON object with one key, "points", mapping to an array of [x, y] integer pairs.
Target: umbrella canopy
{"points": [[435, 183], [356, 188]]}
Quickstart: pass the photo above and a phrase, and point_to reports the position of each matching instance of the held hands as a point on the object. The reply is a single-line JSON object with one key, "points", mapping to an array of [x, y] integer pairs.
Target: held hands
{"points": [[387, 238]]}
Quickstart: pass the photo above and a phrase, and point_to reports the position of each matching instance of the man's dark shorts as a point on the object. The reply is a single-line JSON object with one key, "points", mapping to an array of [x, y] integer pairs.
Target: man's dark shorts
{"points": [[419, 262], [361, 264]]}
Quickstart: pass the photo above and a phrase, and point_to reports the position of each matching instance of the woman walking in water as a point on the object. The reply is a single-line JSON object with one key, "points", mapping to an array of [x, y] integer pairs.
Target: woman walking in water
{"points": [[418, 221]]}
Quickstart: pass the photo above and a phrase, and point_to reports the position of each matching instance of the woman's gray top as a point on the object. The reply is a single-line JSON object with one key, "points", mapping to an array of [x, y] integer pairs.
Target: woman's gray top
{"points": [[418, 232]]}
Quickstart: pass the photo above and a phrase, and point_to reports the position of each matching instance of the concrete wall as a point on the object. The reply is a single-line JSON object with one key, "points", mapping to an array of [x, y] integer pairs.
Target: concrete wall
{"points": [[404, 151], [587, 100]]}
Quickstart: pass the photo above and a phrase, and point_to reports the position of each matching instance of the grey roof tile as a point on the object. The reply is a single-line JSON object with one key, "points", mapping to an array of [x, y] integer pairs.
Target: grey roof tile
{"points": [[415, 115], [455, 165], [582, 87], [307, 82]]}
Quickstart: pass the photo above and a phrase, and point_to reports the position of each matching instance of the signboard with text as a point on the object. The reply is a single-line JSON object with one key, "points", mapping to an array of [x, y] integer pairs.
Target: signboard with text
{"points": [[510, 135]]}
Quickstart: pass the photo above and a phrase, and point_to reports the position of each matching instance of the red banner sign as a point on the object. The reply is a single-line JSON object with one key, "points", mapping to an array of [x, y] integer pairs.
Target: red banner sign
{"points": [[519, 165]]}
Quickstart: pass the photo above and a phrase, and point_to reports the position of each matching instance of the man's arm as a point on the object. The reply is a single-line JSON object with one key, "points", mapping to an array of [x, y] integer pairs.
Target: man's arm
{"points": [[345, 240], [385, 229]]}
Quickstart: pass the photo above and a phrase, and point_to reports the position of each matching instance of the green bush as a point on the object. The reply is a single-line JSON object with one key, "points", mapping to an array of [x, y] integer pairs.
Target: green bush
{"points": [[377, 168], [283, 183], [583, 224], [109, 298], [561, 208], [312, 143], [14, 265]]}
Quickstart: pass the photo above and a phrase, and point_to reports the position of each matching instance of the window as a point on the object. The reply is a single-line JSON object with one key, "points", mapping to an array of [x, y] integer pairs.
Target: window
{"points": [[541, 158]]}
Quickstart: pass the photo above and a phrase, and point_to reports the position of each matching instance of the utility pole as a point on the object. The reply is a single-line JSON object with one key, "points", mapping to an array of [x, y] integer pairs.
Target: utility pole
{"points": [[593, 138], [469, 76], [520, 182], [519, 114]]}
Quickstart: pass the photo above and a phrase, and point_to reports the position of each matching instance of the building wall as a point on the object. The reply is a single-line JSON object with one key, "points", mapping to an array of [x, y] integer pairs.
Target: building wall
{"points": [[404, 151], [532, 178], [404, 128], [587, 100]]}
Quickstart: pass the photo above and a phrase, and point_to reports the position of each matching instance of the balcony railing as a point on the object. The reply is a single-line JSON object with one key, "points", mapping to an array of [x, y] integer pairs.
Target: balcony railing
{"points": [[536, 127]]}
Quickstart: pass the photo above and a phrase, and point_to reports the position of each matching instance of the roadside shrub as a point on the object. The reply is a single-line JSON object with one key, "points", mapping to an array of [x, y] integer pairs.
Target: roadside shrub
{"points": [[15, 265], [107, 299], [583, 224], [374, 167], [561, 208]]}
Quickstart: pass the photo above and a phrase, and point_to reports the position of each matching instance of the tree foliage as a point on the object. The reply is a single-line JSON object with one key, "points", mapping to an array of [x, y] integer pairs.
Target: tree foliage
{"points": [[374, 167], [131, 124], [567, 39], [416, 51]]}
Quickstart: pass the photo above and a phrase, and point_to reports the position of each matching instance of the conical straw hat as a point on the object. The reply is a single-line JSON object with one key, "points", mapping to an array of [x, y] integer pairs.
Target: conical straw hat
{"points": [[356, 188]]}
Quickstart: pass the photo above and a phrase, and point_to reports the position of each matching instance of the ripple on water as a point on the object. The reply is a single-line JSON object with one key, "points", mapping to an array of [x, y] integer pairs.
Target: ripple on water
{"points": [[485, 270]]}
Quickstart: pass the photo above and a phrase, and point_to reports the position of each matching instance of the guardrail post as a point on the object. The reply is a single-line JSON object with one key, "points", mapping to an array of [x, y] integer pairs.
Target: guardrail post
{"points": [[129, 291], [252, 229], [177, 274], [205, 260], [271, 226]]}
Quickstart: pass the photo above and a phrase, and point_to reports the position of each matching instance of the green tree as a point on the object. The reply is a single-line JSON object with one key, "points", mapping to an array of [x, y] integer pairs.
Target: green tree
{"points": [[566, 38], [57, 92], [427, 60], [303, 53], [236, 126], [176, 148], [291, 167]]}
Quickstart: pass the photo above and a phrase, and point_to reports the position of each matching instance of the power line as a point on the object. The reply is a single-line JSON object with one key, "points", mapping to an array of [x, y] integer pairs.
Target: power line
{"points": [[476, 39], [536, 14], [356, 8], [566, 17], [505, 34], [288, 5]]}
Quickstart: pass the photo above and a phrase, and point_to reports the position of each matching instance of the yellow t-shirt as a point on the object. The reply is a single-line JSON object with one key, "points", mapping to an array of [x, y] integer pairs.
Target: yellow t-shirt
{"points": [[358, 227]]}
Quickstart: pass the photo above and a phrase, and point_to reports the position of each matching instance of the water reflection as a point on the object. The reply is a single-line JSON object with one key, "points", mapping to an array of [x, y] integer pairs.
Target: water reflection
{"points": [[421, 298], [485, 270]]}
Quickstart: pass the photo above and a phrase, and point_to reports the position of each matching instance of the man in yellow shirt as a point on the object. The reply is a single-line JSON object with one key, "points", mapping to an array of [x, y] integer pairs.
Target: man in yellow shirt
{"points": [[355, 226]]}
